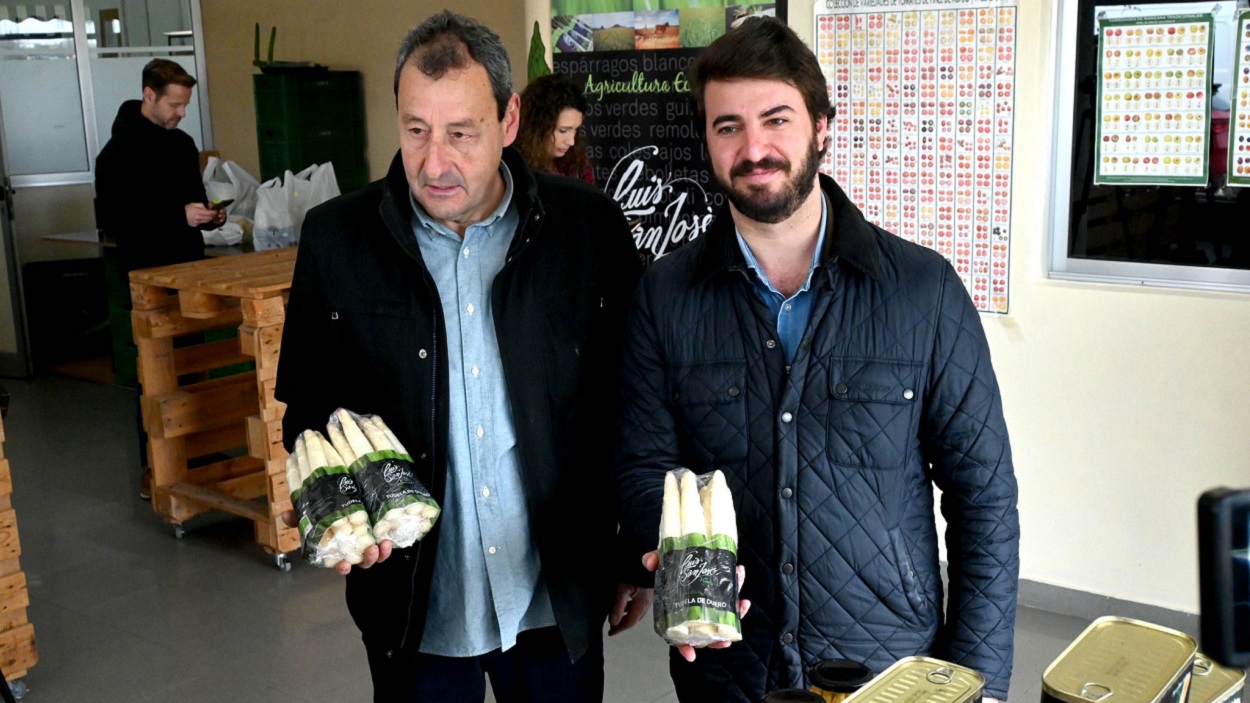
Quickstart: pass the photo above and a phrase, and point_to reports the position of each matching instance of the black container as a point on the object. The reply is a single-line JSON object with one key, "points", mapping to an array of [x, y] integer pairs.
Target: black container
{"points": [[835, 679], [792, 695]]}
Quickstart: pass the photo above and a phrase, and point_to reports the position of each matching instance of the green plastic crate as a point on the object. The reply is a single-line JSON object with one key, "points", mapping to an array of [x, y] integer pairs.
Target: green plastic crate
{"points": [[300, 105]]}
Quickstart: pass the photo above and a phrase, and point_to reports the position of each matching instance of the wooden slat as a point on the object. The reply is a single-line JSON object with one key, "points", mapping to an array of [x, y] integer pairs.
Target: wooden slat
{"points": [[210, 498], [201, 406], [200, 306], [10, 546], [17, 651], [260, 312], [148, 297], [13, 593], [225, 470], [6, 479], [170, 322], [253, 485], [218, 439], [264, 439], [13, 619], [211, 355], [176, 275], [10, 566], [262, 344], [168, 460]]}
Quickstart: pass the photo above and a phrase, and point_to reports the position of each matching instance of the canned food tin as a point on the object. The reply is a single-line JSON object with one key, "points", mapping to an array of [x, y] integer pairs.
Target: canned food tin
{"points": [[925, 679], [835, 679], [1214, 683], [1120, 660]]}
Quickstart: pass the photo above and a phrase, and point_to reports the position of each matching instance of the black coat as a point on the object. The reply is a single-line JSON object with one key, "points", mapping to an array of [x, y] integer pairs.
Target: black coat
{"points": [[832, 461], [365, 331], [144, 178]]}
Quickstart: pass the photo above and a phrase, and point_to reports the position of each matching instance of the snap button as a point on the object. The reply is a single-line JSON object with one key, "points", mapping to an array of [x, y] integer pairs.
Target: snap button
{"points": [[423, 353], [407, 557], [840, 389], [771, 344], [787, 638], [390, 654], [787, 568], [733, 391], [909, 394], [786, 493], [786, 417]]}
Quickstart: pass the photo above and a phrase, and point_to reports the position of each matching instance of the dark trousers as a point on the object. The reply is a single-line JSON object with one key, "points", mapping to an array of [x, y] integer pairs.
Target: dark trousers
{"points": [[536, 670]]}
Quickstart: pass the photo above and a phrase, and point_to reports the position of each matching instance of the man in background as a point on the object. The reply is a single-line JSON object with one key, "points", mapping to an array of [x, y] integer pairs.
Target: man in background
{"points": [[836, 374]]}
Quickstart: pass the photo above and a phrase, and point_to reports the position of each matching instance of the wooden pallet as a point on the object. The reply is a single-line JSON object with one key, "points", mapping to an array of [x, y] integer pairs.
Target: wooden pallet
{"points": [[17, 635], [188, 415]]}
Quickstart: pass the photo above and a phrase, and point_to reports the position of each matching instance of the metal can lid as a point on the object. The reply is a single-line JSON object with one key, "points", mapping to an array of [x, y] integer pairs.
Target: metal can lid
{"points": [[793, 695], [839, 675], [922, 678], [1135, 661], [1213, 683]]}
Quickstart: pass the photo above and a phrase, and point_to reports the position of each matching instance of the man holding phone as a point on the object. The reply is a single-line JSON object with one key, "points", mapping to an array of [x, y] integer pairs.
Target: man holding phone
{"points": [[149, 194]]}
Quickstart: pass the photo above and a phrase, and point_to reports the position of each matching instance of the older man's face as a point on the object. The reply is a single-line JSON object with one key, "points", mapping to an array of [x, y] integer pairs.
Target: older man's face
{"points": [[451, 141]]}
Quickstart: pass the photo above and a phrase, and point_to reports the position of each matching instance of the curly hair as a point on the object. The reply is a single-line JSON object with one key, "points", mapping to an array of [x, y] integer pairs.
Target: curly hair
{"points": [[541, 104]]}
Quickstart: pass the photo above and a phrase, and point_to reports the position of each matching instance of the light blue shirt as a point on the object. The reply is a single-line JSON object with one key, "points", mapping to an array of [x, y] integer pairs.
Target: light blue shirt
{"points": [[790, 313], [486, 586]]}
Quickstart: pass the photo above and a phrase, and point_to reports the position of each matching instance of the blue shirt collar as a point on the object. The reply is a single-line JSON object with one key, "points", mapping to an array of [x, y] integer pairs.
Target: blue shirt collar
{"points": [[754, 263], [429, 224]]}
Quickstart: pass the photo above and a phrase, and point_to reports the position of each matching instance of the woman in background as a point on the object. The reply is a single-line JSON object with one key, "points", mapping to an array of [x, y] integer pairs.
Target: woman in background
{"points": [[550, 136]]}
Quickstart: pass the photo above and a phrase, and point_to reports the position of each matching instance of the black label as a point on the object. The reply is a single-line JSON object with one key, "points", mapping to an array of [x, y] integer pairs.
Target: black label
{"points": [[700, 576], [324, 496], [388, 482]]}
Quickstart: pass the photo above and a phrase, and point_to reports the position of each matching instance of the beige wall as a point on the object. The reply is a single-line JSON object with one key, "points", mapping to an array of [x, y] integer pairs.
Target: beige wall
{"points": [[356, 36]]}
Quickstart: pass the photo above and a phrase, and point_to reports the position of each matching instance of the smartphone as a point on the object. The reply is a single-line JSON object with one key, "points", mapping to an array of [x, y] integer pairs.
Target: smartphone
{"points": [[1224, 575], [221, 204]]}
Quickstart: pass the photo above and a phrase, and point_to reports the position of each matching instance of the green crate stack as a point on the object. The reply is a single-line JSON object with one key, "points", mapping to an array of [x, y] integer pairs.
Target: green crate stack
{"points": [[311, 118]]}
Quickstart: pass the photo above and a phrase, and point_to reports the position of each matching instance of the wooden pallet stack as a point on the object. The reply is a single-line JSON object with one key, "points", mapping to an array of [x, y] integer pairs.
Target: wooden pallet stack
{"points": [[199, 410], [17, 635]]}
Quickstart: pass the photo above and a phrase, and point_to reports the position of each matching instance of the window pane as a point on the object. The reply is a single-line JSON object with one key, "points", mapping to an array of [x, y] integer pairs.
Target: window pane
{"points": [[39, 90]]}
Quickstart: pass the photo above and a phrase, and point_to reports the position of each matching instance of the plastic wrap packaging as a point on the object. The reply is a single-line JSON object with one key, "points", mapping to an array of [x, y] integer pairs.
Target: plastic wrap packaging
{"points": [[333, 522], [696, 586], [400, 508]]}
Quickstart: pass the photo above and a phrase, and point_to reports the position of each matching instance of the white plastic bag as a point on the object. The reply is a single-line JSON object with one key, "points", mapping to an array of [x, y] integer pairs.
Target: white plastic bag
{"points": [[282, 204], [226, 180]]}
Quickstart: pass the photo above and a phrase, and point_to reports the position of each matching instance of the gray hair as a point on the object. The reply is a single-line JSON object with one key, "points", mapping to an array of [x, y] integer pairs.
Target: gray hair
{"points": [[449, 41]]}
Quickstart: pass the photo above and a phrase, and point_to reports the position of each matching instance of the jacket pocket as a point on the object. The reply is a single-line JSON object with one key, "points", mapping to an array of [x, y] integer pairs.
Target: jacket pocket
{"points": [[872, 412], [909, 578], [709, 400]]}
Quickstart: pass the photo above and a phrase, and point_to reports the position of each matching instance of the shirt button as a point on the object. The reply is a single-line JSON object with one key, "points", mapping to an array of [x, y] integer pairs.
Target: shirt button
{"points": [[466, 252], [786, 417], [485, 492], [787, 568], [480, 432], [771, 344], [470, 308], [788, 307], [492, 550], [786, 493], [787, 638], [909, 394], [422, 353], [475, 371]]}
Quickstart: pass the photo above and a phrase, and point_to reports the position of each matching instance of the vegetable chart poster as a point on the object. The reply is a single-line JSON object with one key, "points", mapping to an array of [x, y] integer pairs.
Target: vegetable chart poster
{"points": [[632, 59], [925, 93], [1239, 138], [1154, 101]]}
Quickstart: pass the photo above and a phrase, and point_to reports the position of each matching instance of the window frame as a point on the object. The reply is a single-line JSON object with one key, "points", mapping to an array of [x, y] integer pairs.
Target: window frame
{"points": [[1062, 266]]}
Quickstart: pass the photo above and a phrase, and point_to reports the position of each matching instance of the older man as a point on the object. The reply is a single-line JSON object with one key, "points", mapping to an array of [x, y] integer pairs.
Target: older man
{"points": [[478, 307], [836, 374]]}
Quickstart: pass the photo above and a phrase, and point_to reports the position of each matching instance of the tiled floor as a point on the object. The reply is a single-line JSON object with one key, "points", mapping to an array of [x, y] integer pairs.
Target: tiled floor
{"points": [[125, 612]]}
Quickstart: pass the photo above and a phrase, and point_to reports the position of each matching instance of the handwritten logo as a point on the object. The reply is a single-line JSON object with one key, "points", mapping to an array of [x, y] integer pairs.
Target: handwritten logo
{"points": [[347, 486], [663, 211], [392, 472], [694, 567]]}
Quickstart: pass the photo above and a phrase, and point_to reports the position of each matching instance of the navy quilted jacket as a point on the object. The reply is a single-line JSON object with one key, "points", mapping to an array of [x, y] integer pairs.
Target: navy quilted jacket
{"points": [[832, 462]]}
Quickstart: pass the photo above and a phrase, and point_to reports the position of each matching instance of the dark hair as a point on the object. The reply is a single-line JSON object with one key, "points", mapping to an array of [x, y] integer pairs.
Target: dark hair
{"points": [[158, 74], [449, 41], [762, 48], [541, 104]]}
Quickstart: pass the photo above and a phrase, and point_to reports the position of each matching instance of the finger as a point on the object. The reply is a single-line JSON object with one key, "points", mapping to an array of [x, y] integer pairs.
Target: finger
{"points": [[384, 550], [720, 644], [290, 519], [686, 652], [651, 561], [369, 557], [742, 576], [743, 606], [637, 610], [343, 568], [618, 606]]}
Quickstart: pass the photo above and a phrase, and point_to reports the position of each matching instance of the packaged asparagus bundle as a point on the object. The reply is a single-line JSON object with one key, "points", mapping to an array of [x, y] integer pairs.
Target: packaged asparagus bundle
{"points": [[696, 586], [400, 508], [332, 518]]}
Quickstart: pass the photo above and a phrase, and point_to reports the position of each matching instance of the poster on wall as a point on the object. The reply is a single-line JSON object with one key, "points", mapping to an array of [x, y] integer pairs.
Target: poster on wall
{"points": [[1153, 120], [923, 136], [1239, 120], [632, 58]]}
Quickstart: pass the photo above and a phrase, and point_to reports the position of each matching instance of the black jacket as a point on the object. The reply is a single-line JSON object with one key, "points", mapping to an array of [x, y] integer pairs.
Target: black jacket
{"points": [[364, 330], [144, 178], [832, 461]]}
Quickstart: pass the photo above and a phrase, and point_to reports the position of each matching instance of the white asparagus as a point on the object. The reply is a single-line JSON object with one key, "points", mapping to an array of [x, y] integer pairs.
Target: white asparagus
{"points": [[333, 458], [355, 438], [723, 520], [293, 481], [377, 438], [670, 514], [706, 502], [395, 443], [692, 522], [301, 456], [316, 454], [340, 444]]}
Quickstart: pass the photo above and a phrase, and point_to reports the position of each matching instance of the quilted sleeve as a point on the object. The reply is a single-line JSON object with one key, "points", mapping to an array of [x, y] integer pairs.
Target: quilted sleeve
{"points": [[647, 446], [964, 440]]}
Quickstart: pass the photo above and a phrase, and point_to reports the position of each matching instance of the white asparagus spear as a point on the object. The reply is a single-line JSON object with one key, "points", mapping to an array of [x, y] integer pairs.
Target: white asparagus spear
{"points": [[723, 520], [301, 456], [377, 438], [333, 458], [390, 436], [316, 454], [355, 438], [692, 522], [292, 474], [340, 444], [706, 502], [670, 515]]}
